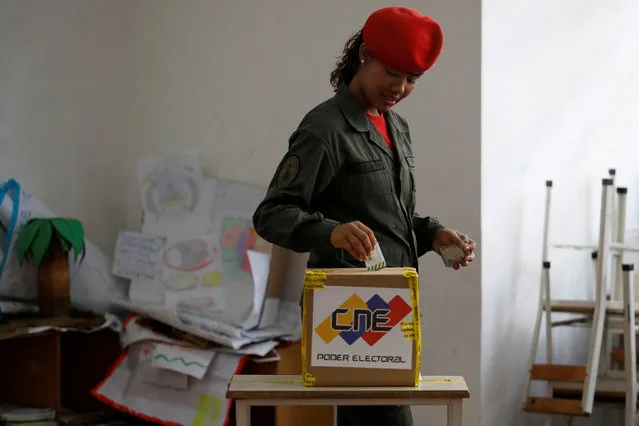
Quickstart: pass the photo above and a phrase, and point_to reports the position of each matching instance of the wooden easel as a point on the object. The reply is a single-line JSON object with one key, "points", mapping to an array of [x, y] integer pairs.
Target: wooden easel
{"points": [[609, 311]]}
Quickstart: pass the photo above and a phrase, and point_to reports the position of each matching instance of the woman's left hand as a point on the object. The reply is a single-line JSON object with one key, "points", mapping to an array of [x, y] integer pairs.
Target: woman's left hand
{"points": [[446, 236]]}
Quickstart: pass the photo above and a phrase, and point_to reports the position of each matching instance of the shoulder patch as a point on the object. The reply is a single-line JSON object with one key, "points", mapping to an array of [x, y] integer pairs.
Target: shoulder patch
{"points": [[288, 171]]}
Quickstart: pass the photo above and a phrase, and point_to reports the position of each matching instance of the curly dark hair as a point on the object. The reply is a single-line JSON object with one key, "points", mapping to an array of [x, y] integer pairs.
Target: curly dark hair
{"points": [[349, 62]]}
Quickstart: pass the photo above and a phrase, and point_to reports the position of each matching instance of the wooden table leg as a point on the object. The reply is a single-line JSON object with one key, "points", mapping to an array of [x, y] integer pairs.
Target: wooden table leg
{"points": [[455, 413], [242, 413]]}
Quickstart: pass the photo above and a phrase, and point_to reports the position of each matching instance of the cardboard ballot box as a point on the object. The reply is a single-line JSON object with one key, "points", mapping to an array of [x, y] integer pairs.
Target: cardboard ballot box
{"points": [[361, 328]]}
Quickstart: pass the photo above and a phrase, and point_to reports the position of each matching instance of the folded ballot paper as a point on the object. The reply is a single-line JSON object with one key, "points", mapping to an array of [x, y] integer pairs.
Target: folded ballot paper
{"points": [[452, 254], [449, 254], [376, 260]]}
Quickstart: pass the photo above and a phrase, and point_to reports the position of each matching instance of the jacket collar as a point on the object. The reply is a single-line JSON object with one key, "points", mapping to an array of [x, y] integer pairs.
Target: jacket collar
{"points": [[356, 116], [351, 109]]}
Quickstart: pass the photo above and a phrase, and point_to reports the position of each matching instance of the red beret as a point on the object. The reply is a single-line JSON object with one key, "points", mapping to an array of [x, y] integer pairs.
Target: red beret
{"points": [[403, 39]]}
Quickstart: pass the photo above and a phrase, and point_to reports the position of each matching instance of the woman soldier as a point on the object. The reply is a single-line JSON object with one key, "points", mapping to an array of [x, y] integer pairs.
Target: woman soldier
{"points": [[347, 181]]}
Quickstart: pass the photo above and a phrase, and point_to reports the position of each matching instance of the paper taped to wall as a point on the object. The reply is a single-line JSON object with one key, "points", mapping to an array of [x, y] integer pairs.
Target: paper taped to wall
{"points": [[138, 256]]}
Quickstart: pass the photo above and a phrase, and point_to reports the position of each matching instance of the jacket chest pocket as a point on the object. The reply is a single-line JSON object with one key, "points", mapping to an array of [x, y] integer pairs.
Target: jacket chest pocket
{"points": [[366, 179], [410, 162], [410, 194]]}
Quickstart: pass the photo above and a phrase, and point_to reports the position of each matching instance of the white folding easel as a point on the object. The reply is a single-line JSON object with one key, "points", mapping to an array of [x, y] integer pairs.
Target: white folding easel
{"points": [[612, 277]]}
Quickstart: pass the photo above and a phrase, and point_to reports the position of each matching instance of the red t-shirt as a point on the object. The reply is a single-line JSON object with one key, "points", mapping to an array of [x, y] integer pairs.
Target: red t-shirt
{"points": [[380, 123]]}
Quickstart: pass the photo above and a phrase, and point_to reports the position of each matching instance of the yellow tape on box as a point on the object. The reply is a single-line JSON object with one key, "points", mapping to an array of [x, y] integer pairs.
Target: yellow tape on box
{"points": [[361, 328]]}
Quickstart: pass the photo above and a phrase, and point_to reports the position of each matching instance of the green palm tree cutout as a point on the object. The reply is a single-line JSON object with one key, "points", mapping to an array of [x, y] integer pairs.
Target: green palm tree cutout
{"points": [[35, 238]]}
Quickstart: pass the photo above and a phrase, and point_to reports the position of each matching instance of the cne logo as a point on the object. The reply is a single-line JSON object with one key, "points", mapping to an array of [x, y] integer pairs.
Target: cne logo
{"points": [[355, 319]]}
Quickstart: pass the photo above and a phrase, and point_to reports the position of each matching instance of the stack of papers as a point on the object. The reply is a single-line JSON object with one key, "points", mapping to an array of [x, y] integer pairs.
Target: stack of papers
{"points": [[198, 265]]}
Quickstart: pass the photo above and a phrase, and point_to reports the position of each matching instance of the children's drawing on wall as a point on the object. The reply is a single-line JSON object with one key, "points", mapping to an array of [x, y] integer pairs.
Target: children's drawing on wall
{"points": [[189, 255], [138, 256], [234, 200], [170, 185], [238, 198], [174, 194], [222, 288], [147, 372], [194, 279], [211, 279], [182, 359], [190, 262], [146, 354], [208, 278], [239, 236]]}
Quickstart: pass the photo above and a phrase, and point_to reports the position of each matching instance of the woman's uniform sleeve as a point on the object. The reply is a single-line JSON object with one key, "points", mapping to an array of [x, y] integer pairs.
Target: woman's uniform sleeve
{"points": [[425, 229], [283, 217]]}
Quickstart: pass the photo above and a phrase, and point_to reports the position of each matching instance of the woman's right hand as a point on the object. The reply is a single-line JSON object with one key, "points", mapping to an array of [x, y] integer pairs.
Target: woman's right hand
{"points": [[354, 237]]}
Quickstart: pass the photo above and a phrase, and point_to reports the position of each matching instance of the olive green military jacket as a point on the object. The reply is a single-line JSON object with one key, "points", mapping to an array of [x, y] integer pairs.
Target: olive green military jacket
{"points": [[339, 169]]}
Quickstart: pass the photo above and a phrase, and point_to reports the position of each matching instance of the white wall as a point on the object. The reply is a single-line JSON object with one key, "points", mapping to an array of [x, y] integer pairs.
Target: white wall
{"points": [[64, 96], [560, 101], [119, 80]]}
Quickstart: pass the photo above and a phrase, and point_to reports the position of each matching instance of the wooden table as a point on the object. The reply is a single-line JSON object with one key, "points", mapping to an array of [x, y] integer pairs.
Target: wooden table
{"points": [[255, 390]]}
